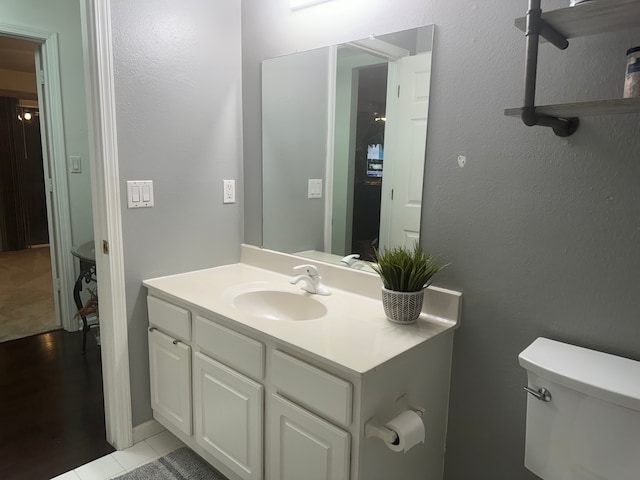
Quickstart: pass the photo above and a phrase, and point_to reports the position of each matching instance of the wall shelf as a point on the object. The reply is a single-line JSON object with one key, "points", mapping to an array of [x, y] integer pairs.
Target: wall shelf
{"points": [[591, 18], [556, 27], [583, 109]]}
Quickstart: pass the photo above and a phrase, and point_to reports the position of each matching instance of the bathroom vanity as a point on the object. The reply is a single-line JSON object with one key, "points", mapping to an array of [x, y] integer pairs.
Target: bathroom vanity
{"points": [[266, 381]]}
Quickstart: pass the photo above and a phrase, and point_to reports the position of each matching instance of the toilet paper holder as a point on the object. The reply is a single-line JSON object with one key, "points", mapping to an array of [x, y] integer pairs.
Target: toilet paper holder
{"points": [[374, 428]]}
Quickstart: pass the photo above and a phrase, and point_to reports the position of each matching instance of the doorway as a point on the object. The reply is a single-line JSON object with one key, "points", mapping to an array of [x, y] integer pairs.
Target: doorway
{"points": [[27, 305], [26, 55], [369, 156], [55, 363], [99, 118], [23, 208]]}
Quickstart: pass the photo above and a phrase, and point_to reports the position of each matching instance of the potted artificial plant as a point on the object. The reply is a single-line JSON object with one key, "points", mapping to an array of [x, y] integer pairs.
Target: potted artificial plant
{"points": [[405, 273]]}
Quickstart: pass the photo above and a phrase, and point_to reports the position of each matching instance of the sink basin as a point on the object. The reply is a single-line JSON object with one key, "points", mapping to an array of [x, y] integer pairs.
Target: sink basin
{"points": [[279, 305]]}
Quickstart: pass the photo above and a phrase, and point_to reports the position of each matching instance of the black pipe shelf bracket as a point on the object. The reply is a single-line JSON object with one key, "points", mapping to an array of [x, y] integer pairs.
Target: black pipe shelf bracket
{"points": [[556, 26], [536, 27]]}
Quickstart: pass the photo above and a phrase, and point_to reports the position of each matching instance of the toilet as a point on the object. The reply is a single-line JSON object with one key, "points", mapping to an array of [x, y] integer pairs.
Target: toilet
{"points": [[583, 413]]}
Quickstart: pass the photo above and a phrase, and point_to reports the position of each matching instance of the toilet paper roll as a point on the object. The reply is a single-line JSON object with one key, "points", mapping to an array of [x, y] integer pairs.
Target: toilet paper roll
{"points": [[409, 428]]}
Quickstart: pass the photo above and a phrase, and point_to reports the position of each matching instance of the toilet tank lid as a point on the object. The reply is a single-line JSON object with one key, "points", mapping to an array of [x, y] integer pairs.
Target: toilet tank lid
{"points": [[604, 376]]}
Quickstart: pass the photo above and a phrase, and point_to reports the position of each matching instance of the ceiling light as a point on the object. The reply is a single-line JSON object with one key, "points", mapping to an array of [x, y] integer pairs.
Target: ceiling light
{"points": [[298, 4]]}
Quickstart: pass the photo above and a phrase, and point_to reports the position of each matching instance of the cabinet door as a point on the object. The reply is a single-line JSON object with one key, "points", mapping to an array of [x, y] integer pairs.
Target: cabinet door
{"points": [[228, 416], [170, 365], [303, 446]]}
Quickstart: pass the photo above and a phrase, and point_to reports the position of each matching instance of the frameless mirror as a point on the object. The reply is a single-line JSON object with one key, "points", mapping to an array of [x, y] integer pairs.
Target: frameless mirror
{"points": [[344, 133]]}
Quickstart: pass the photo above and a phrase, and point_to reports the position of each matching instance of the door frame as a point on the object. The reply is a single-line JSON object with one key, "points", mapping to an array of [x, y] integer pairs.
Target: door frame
{"points": [[107, 219], [96, 37], [54, 164], [384, 239], [332, 68]]}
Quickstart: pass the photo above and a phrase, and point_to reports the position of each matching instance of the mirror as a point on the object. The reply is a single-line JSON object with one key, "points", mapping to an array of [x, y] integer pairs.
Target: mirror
{"points": [[343, 145]]}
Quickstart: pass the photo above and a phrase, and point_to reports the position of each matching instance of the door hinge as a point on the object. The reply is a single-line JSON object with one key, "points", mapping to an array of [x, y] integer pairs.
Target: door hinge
{"points": [[398, 91], [392, 194], [41, 77], [57, 284], [105, 247], [50, 184]]}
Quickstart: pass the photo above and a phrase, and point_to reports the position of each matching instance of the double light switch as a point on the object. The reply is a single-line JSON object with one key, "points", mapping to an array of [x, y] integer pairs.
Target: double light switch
{"points": [[140, 193]]}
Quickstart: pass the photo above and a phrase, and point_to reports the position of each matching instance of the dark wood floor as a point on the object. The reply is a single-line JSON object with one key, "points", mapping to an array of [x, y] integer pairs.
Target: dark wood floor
{"points": [[51, 406]]}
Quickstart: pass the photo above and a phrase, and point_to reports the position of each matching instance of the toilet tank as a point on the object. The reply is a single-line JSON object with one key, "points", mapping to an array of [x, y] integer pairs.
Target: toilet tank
{"points": [[590, 427]]}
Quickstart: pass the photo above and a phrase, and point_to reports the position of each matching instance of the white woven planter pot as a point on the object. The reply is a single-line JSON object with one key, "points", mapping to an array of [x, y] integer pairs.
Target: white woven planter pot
{"points": [[402, 307]]}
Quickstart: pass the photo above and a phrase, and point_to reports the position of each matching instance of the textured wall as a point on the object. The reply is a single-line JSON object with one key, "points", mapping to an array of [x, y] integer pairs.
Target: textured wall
{"points": [[542, 232], [178, 105]]}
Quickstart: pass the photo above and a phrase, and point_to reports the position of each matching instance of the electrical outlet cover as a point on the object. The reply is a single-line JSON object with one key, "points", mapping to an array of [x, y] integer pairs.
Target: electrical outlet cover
{"points": [[229, 191]]}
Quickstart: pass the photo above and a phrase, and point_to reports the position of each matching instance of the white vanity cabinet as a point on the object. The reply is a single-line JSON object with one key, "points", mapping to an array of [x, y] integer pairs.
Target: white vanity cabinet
{"points": [[264, 410], [218, 377], [228, 416], [170, 363], [268, 399], [304, 446], [228, 405]]}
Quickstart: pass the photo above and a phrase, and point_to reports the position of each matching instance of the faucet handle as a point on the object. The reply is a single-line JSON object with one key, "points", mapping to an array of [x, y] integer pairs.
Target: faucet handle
{"points": [[347, 260], [311, 270]]}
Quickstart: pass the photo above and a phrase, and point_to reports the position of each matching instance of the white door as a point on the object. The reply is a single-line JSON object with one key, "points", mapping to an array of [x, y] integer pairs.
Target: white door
{"points": [[228, 416], [303, 446], [62, 307], [170, 365], [404, 153]]}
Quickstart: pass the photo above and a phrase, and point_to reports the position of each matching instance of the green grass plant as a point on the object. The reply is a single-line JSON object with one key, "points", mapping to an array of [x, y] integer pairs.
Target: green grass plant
{"points": [[406, 270]]}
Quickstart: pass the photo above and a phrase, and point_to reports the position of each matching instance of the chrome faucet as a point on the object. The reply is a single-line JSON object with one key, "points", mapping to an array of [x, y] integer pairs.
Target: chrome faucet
{"points": [[311, 279], [352, 261]]}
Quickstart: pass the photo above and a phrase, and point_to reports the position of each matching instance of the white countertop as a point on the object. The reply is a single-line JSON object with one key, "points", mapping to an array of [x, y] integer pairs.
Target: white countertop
{"points": [[355, 333]]}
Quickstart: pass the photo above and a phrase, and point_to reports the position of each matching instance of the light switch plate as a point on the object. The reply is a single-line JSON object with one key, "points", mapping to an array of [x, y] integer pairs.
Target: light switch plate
{"points": [[140, 193], [315, 188], [76, 163]]}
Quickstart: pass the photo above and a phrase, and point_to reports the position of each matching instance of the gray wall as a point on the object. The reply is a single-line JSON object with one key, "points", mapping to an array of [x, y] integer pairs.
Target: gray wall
{"points": [[178, 105], [542, 232]]}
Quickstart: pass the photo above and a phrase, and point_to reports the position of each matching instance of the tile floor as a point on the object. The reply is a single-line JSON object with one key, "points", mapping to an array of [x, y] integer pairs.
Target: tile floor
{"points": [[123, 461]]}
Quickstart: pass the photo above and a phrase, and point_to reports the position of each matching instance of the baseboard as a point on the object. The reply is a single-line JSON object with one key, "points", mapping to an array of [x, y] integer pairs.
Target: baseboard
{"points": [[146, 430]]}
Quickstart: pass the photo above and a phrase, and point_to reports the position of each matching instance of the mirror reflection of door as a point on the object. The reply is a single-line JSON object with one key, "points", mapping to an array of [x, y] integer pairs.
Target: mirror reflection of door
{"points": [[359, 79], [405, 153], [369, 159], [385, 177], [319, 125]]}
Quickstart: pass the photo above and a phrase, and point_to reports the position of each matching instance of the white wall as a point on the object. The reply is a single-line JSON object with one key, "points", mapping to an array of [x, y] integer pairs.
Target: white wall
{"points": [[295, 109], [542, 232], [63, 17], [178, 106]]}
